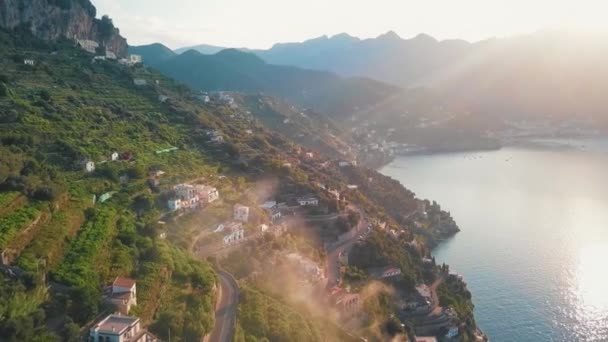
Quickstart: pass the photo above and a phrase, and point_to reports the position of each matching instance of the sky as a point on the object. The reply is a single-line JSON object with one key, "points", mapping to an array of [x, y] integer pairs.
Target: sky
{"points": [[262, 23]]}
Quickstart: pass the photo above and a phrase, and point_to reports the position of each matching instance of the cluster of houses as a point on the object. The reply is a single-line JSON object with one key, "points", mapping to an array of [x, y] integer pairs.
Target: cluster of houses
{"points": [[92, 46], [119, 327], [190, 196]]}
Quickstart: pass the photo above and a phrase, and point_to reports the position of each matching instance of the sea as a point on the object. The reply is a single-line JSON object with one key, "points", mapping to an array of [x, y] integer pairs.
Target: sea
{"points": [[533, 246]]}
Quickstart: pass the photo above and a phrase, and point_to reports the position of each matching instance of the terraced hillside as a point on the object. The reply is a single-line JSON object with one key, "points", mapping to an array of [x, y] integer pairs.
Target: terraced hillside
{"points": [[60, 246]]}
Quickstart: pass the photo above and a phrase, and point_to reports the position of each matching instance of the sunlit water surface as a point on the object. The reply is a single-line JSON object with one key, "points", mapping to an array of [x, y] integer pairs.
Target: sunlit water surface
{"points": [[534, 241]]}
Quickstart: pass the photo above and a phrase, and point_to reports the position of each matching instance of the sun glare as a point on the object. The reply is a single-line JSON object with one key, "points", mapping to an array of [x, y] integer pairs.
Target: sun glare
{"points": [[591, 277]]}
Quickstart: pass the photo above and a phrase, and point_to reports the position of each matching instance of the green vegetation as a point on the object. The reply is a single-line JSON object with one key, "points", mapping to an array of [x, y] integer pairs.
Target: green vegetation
{"points": [[7, 197], [10, 224], [263, 318], [21, 315], [380, 250], [453, 293], [185, 312]]}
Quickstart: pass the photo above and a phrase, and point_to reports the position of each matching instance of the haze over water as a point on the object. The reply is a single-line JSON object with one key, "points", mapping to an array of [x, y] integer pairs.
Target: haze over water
{"points": [[534, 241]]}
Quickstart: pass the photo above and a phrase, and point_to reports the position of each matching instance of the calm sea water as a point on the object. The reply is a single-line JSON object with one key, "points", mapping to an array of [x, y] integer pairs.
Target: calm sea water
{"points": [[534, 242]]}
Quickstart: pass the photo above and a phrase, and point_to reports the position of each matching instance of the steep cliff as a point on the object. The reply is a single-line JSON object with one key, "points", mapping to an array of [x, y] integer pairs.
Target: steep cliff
{"points": [[53, 19]]}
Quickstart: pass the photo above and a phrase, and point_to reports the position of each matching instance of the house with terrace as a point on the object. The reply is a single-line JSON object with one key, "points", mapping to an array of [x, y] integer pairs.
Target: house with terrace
{"points": [[119, 328]]}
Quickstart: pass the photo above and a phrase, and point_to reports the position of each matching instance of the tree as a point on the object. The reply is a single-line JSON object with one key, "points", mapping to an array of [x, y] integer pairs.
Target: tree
{"points": [[106, 28]]}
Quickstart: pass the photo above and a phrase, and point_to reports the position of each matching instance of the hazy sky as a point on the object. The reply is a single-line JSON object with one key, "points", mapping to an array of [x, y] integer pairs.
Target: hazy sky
{"points": [[261, 23]]}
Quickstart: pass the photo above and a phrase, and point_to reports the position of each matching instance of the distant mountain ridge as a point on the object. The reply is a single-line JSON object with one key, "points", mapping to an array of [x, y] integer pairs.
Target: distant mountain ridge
{"points": [[205, 49], [387, 58], [236, 70]]}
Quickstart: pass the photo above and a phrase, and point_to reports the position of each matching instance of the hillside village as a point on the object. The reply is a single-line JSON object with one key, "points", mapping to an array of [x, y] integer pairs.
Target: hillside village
{"points": [[148, 190]]}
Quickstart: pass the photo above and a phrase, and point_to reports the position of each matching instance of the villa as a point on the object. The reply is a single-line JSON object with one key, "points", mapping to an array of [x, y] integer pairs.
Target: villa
{"points": [[119, 328]]}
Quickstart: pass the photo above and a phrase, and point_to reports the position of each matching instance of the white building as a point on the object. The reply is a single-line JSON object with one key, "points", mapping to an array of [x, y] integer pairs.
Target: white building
{"points": [[240, 213], [124, 294], [89, 166], [309, 155], [308, 201], [275, 214], [135, 59], [234, 237], [233, 232], [207, 194], [110, 54], [217, 138], [28, 62], [118, 328], [87, 45], [140, 82], [204, 98], [163, 98], [263, 228], [114, 156]]}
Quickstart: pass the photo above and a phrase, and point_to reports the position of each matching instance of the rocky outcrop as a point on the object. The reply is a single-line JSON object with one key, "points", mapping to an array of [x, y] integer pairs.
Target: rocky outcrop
{"points": [[50, 20]]}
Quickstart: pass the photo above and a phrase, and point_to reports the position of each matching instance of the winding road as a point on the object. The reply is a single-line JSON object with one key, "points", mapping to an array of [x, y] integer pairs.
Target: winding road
{"points": [[333, 254], [225, 310]]}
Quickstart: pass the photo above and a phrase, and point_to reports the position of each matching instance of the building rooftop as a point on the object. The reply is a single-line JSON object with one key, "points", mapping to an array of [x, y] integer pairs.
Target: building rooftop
{"points": [[115, 324], [426, 339], [124, 282]]}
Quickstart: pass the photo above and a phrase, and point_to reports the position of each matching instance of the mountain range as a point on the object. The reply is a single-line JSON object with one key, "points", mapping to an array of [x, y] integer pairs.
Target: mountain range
{"points": [[236, 70], [547, 74]]}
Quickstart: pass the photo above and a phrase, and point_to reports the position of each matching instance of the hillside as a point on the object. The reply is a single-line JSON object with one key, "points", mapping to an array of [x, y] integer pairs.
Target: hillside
{"points": [[234, 70], [90, 152], [53, 232]]}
